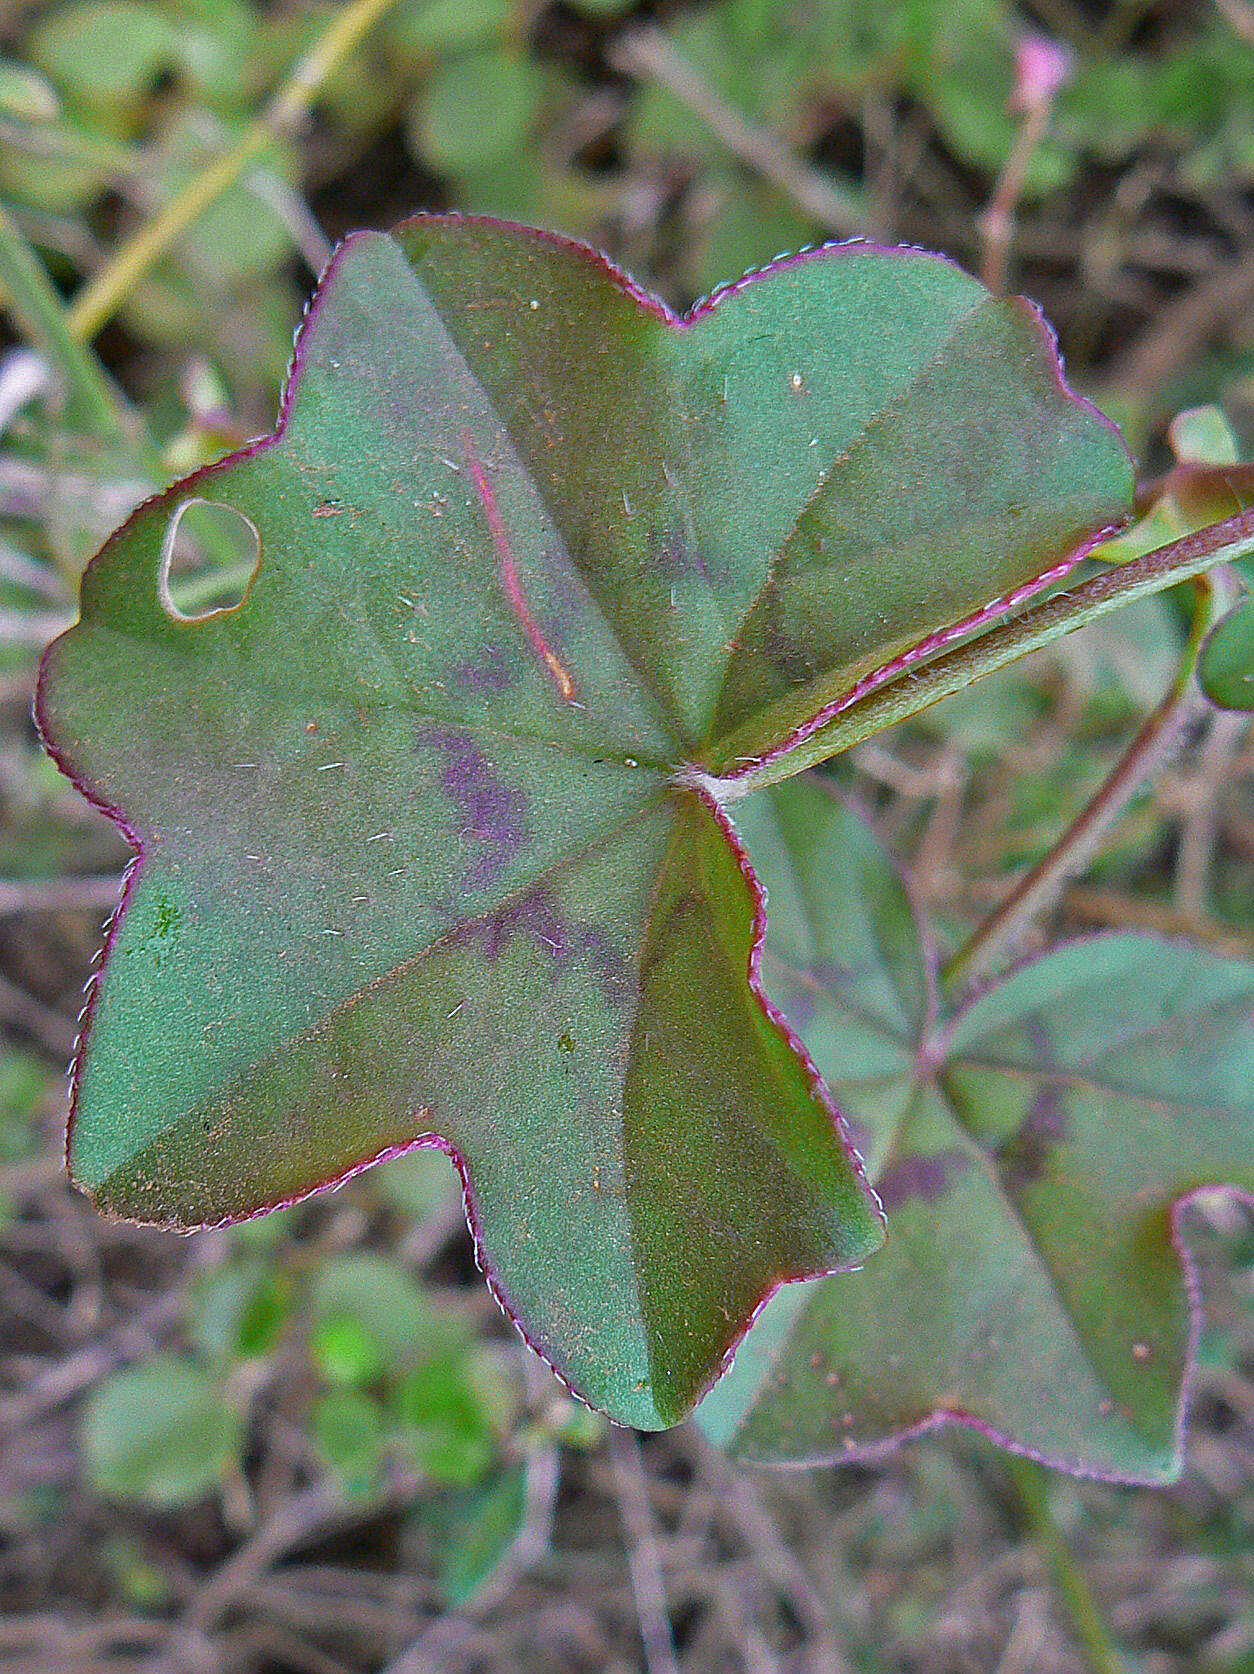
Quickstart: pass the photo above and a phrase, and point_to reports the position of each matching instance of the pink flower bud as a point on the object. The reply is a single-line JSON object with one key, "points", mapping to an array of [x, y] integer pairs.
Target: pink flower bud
{"points": [[1042, 67]]}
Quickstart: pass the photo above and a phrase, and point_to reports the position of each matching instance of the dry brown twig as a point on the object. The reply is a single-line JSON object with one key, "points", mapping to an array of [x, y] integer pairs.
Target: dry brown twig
{"points": [[51, 1028], [645, 1568], [131, 1339], [1180, 330], [1198, 798], [303, 1515], [57, 895], [739, 1495], [1240, 15], [649, 56]]}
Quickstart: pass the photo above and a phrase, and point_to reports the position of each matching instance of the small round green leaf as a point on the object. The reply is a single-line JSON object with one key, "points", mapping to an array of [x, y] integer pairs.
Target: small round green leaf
{"points": [[369, 1313], [446, 1422], [1203, 436], [105, 55], [424, 28], [238, 1310], [351, 1433], [478, 109], [25, 95], [344, 1351], [161, 1433], [1226, 666]]}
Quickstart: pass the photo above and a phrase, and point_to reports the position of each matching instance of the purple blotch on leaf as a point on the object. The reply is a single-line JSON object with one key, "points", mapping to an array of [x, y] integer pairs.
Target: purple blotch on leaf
{"points": [[859, 1134], [1023, 1158], [1039, 1041], [493, 814], [799, 1009], [611, 968], [671, 557], [491, 671], [928, 1178], [536, 916]]}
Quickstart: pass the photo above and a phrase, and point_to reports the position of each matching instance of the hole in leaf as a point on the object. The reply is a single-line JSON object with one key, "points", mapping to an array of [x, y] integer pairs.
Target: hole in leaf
{"points": [[210, 556]]}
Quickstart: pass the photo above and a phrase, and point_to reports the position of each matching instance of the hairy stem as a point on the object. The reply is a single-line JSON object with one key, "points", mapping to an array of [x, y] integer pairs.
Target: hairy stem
{"points": [[1031, 1483], [41, 317], [100, 299], [1156, 740], [919, 688]]}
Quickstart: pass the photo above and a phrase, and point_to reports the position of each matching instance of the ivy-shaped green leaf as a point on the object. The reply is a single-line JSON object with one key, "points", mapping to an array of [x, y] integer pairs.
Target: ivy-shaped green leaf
{"points": [[427, 847], [1032, 1151]]}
